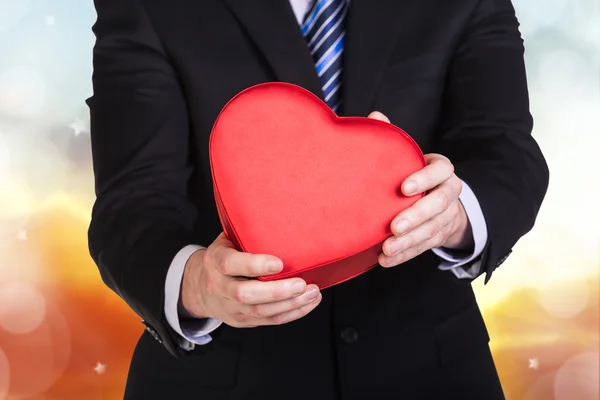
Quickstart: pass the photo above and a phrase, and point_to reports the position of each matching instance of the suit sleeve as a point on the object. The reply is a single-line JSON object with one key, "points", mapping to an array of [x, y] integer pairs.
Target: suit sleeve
{"points": [[142, 216], [486, 128]]}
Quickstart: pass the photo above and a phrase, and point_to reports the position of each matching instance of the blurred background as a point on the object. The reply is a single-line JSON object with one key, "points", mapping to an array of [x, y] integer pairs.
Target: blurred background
{"points": [[63, 335]]}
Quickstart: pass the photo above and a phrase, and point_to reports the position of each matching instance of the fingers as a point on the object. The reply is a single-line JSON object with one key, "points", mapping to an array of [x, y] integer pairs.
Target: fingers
{"points": [[250, 292], [432, 233], [438, 170], [431, 205], [295, 314], [378, 116], [266, 310], [231, 262], [224, 291], [279, 318], [409, 253]]}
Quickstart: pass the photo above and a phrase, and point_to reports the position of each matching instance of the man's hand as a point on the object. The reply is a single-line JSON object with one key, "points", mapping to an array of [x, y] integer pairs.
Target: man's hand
{"points": [[438, 219], [216, 284]]}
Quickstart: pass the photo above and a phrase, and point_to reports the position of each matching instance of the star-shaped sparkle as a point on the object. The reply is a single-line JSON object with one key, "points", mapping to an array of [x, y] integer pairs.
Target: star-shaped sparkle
{"points": [[534, 363], [22, 235], [50, 20], [78, 127], [100, 368]]}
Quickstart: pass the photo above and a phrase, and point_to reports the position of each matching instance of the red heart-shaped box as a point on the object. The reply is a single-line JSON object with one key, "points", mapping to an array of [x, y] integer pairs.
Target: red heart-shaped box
{"points": [[294, 180]]}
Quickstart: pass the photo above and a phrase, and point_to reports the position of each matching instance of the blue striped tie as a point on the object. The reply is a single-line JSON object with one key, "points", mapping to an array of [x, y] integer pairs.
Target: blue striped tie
{"points": [[324, 30]]}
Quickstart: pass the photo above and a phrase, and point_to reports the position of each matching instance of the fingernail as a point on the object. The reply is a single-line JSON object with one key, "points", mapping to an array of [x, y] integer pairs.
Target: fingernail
{"points": [[410, 187], [311, 294], [275, 266], [383, 261], [402, 226], [298, 287]]}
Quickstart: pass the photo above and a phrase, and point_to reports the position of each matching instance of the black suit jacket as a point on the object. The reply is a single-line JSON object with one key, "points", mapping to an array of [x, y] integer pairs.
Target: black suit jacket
{"points": [[450, 73]]}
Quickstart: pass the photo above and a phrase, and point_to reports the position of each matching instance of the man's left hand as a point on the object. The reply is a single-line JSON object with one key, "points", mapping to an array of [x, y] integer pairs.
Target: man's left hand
{"points": [[436, 220]]}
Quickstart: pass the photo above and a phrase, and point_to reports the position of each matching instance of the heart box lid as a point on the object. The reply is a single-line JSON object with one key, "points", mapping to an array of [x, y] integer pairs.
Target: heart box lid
{"points": [[294, 180]]}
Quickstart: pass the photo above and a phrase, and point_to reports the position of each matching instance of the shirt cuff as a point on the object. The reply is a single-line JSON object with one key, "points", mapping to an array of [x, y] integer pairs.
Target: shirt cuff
{"points": [[453, 261], [192, 331]]}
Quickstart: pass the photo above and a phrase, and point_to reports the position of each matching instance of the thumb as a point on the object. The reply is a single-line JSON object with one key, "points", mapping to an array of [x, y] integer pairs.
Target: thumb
{"points": [[379, 116], [223, 240]]}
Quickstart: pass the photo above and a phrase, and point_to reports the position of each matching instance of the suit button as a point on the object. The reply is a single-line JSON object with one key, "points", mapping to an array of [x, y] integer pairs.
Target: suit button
{"points": [[154, 334], [349, 335], [502, 260]]}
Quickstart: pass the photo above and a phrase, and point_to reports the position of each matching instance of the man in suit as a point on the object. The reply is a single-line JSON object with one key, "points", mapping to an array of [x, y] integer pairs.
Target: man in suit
{"points": [[449, 73]]}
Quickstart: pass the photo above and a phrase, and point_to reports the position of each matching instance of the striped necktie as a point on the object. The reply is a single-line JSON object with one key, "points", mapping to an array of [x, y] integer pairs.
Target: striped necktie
{"points": [[324, 30]]}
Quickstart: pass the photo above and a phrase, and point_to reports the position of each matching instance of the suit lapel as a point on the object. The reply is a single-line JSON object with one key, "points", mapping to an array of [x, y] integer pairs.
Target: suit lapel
{"points": [[372, 29], [273, 27]]}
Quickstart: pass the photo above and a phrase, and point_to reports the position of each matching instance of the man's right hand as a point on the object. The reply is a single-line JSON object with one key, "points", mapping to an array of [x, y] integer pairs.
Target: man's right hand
{"points": [[217, 283]]}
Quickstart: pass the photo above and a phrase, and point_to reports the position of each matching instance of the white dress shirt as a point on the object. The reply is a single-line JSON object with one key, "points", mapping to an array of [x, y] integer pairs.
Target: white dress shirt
{"points": [[198, 331]]}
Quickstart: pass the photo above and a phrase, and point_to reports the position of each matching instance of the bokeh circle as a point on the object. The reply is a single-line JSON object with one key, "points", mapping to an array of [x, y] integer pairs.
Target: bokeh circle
{"points": [[579, 378], [39, 358], [22, 308], [564, 300]]}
